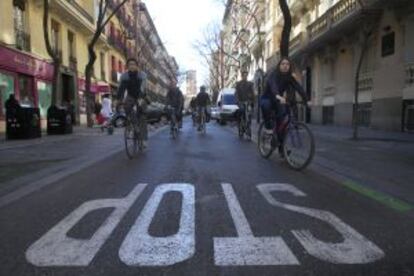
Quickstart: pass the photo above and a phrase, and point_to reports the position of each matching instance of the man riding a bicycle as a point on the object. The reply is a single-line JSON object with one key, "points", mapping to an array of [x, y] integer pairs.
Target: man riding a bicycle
{"points": [[245, 99], [279, 97], [134, 82], [203, 101], [175, 102]]}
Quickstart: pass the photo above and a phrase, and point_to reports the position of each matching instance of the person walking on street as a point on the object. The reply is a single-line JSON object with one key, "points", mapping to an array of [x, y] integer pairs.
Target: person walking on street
{"points": [[279, 96], [175, 100], [134, 83]]}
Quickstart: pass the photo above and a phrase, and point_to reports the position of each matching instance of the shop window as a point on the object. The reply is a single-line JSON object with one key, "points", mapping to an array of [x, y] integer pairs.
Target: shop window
{"points": [[26, 93], [388, 44], [45, 97], [6, 89]]}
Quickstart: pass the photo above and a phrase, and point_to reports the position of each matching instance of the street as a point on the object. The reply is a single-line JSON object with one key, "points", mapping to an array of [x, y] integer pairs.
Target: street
{"points": [[201, 205]]}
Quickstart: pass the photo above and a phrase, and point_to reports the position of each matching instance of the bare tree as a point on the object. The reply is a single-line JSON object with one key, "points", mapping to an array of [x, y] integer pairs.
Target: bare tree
{"points": [[287, 27], [53, 53], [105, 14]]}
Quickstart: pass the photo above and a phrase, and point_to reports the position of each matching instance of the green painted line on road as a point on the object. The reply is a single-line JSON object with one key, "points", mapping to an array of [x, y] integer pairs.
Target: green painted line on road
{"points": [[387, 200]]}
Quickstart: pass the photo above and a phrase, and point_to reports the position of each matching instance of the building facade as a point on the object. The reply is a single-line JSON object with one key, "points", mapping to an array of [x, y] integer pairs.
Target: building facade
{"points": [[327, 41], [26, 69]]}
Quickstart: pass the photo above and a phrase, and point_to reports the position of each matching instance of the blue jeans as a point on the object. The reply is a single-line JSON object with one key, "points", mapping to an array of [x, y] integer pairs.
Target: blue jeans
{"points": [[273, 112]]}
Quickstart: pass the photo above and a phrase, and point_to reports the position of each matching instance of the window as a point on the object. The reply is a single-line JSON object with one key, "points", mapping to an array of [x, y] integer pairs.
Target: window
{"points": [[103, 73], [120, 66], [388, 44], [113, 63], [71, 45], [19, 16], [55, 35]]}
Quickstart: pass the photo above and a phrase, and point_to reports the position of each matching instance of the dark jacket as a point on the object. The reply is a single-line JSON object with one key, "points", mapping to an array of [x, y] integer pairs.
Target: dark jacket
{"points": [[244, 91], [134, 86], [276, 85], [175, 98], [203, 99]]}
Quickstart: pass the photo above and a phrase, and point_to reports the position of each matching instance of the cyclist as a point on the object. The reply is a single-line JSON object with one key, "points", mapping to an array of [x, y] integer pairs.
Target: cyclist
{"points": [[244, 94], [175, 100], [134, 82], [279, 96], [203, 101]]}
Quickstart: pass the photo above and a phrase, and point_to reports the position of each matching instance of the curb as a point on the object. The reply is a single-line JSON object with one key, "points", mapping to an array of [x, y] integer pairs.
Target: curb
{"points": [[50, 179]]}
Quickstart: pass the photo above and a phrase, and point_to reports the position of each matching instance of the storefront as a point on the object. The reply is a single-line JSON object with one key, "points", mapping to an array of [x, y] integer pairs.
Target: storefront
{"points": [[27, 77]]}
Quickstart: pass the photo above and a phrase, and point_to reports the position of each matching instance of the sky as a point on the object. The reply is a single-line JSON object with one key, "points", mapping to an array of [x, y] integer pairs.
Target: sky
{"points": [[180, 23]]}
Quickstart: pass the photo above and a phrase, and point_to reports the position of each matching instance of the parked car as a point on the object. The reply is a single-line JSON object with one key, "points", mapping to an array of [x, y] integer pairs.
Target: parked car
{"points": [[215, 113], [227, 105], [156, 113]]}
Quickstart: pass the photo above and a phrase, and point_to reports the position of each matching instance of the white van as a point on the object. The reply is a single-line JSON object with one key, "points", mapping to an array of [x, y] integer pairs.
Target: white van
{"points": [[227, 105]]}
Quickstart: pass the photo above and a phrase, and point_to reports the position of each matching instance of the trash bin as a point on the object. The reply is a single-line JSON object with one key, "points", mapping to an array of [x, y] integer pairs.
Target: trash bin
{"points": [[23, 123], [59, 121]]}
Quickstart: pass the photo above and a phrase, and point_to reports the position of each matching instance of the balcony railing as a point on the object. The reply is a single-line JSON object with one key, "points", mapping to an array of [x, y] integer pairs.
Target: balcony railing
{"points": [[366, 82], [296, 42], [73, 63], [22, 40], [409, 70], [117, 43], [333, 16]]}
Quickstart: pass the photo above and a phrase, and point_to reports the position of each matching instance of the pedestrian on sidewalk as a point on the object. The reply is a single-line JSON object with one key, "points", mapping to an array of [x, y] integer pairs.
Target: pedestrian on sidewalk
{"points": [[279, 97]]}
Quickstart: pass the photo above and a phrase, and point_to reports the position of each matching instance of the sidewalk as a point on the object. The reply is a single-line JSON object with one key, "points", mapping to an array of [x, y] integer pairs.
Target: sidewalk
{"points": [[381, 161], [26, 161]]}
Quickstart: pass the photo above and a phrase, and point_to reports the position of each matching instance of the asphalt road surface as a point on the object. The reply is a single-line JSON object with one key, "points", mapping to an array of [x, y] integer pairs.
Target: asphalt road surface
{"points": [[201, 205]]}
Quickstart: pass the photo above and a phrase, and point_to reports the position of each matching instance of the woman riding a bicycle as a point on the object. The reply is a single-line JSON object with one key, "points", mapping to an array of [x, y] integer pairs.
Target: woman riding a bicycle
{"points": [[279, 97]]}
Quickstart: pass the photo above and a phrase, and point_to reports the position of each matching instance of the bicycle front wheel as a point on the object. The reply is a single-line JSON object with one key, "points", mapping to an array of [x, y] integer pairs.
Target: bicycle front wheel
{"points": [[264, 142], [131, 139], [298, 146]]}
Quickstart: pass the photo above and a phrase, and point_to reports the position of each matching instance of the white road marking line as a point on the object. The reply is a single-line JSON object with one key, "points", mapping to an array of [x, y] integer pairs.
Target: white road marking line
{"points": [[247, 249], [141, 249], [355, 249], [56, 249]]}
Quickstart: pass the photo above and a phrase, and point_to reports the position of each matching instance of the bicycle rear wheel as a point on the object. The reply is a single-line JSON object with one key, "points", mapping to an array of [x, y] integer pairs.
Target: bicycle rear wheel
{"points": [[298, 146], [264, 142]]}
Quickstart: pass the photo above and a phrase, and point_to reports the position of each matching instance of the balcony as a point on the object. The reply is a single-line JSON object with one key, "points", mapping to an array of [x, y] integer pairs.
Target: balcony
{"points": [[409, 71], [73, 63], [366, 81], [117, 43], [338, 13], [295, 43], [22, 40], [82, 11]]}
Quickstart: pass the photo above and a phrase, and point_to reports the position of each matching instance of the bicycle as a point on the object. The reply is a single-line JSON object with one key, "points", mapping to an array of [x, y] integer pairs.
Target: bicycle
{"points": [[244, 123], [173, 123], [298, 145], [134, 142], [202, 114]]}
